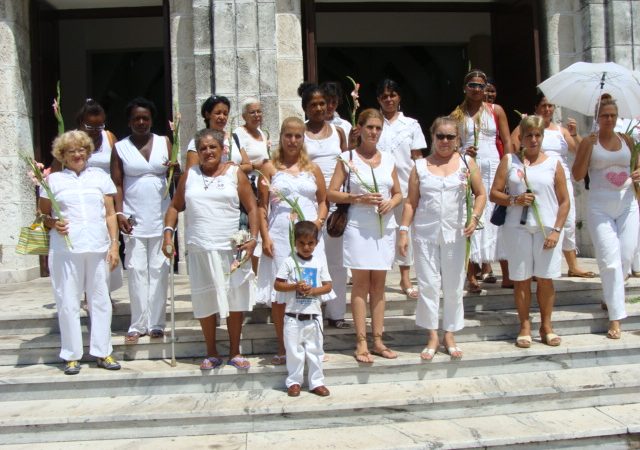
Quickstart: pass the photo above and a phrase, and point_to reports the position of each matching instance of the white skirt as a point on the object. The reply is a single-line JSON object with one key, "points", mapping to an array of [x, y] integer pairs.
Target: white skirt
{"points": [[211, 292], [364, 249]]}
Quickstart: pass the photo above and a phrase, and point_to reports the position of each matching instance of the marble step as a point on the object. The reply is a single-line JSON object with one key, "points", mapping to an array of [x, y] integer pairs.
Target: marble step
{"points": [[260, 338], [598, 428], [157, 377], [43, 320], [271, 410]]}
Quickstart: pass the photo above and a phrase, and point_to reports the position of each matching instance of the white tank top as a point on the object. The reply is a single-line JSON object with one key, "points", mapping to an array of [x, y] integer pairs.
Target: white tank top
{"points": [[610, 170], [486, 129], [101, 157], [542, 181], [144, 185], [255, 150], [441, 210], [212, 209], [555, 146], [323, 152]]}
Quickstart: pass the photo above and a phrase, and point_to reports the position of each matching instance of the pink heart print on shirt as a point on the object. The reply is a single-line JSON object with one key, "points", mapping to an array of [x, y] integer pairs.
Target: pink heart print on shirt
{"points": [[617, 179]]}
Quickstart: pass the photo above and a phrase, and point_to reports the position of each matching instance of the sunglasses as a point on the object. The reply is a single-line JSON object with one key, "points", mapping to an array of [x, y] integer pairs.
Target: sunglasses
{"points": [[476, 86], [448, 137], [96, 128]]}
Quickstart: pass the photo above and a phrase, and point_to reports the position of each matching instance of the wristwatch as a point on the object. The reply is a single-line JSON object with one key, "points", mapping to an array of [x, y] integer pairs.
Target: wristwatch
{"points": [[512, 200], [403, 228], [557, 230]]}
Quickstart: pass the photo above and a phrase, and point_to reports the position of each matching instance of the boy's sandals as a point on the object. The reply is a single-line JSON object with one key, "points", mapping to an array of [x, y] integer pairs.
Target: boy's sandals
{"points": [[550, 339], [411, 292], [239, 362], [279, 360], [210, 363], [523, 341], [614, 334], [427, 354]]}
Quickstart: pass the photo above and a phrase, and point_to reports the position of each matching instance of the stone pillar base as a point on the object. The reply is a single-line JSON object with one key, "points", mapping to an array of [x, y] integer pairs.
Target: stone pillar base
{"points": [[8, 276]]}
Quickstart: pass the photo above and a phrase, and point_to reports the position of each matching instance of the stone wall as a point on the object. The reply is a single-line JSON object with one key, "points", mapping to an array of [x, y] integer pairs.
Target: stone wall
{"points": [[17, 204]]}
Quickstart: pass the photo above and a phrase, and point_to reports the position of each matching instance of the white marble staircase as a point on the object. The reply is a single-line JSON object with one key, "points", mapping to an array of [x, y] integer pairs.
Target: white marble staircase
{"points": [[585, 393]]}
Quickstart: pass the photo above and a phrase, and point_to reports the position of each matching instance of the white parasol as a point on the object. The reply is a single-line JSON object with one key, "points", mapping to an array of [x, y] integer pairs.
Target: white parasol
{"points": [[579, 87]]}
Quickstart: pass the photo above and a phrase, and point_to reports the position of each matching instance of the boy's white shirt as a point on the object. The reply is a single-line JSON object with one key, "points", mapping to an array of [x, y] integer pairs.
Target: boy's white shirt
{"points": [[315, 268]]}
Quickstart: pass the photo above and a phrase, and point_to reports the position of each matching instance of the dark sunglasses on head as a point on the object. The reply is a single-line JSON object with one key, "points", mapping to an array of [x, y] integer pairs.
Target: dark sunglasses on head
{"points": [[91, 128], [476, 86], [448, 137]]}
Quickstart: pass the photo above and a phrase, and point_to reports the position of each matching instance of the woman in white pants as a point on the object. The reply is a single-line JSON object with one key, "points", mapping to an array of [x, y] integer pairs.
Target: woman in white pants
{"points": [[532, 230], [85, 196], [139, 171], [613, 209], [436, 204]]}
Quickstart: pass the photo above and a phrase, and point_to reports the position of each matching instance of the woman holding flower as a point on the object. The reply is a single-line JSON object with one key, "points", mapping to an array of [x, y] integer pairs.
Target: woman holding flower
{"points": [[324, 141], [81, 262], [557, 144], [612, 210], [210, 194], [215, 112], [436, 205], [370, 235], [139, 169], [484, 127], [402, 137], [538, 204], [290, 186]]}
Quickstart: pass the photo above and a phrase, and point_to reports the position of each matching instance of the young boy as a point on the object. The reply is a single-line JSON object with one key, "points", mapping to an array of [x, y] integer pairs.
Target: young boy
{"points": [[301, 286]]}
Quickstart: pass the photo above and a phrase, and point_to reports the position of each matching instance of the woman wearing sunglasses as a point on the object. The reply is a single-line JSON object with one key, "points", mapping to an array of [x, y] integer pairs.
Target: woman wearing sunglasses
{"points": [[485, 130], [436, 205]]}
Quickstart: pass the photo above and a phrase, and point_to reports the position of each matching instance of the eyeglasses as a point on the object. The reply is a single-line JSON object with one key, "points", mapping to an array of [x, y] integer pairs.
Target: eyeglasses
{"points": [[480, 86], [448, 137], [257, 112], [76, 151], [91, 128]]}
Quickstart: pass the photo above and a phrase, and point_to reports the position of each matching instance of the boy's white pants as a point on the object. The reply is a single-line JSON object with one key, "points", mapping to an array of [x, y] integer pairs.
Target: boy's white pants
{"points": [[440, 266], [148, 273], [73, 274], [613, 225], [303, 338]]}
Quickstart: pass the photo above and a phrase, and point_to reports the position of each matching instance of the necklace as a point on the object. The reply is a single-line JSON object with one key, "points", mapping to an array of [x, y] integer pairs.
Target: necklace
{"points": [[208, 182]]}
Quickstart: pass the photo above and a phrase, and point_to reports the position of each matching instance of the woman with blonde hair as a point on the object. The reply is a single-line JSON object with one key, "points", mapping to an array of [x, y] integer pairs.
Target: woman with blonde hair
{"points": [[289, 178], [85, 195], [370, 234], [612, 207]]}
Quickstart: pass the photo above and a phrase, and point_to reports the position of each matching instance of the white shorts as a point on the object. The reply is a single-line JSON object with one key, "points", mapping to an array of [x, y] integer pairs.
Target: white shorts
{"points": [[526, 255]]}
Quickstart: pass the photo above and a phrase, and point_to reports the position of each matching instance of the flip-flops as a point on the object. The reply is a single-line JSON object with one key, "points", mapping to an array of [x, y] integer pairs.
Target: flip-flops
{"points": [[427, 354], [210, 363], [239, 362], [279, 360], [550, 339]]}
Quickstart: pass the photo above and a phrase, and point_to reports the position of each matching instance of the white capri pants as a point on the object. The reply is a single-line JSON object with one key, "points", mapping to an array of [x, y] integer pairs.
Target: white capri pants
{"points": [[148, 273], [527, 257], [336, 308], [569, 240], [303, 340], [73, 274], [403, 260], [440, 265], [613, 226]]}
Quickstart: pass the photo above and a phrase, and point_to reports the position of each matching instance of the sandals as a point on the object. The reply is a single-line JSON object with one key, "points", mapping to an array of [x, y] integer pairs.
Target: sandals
{"points": [[156, 334], [386, 353], [410, 292], [523, 341], [341, 324], [239, 362], [455, 353], [473, 287], [210, 363], [614, 334], [363, 357], [550, 339], [587, 274], [279, 360], [427, 354], [489, 277], [132, 337]]}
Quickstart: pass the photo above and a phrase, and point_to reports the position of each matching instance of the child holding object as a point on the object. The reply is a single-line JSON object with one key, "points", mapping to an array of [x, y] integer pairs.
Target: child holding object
{"points": [[302, 281]]}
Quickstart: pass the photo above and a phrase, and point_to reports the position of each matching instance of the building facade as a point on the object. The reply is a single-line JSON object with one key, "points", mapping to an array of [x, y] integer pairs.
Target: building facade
{"points": [[189, 49]]}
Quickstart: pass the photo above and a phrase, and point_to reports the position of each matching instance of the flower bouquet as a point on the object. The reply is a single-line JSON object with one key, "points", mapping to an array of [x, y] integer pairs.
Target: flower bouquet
{"points": [[354, 103], [56, 110], [240, 271]]}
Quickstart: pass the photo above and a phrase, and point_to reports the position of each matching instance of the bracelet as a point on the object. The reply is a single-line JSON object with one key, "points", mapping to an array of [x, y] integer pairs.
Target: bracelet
{"points": [[403, 228], [573, 135], [173, 230], [115, 241], [476, 218], [120, 213]]}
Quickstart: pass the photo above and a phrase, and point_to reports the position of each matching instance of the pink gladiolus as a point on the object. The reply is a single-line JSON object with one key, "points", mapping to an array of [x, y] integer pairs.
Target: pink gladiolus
{"points": [[56, 108], [171, 126]]}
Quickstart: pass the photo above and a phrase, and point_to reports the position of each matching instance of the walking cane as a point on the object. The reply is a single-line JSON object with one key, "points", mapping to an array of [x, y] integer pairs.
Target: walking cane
{"points": [[169, 249]]}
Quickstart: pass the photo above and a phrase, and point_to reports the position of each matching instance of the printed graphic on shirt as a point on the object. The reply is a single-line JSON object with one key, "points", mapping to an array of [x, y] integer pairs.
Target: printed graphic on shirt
{"points": [[309, 276]]}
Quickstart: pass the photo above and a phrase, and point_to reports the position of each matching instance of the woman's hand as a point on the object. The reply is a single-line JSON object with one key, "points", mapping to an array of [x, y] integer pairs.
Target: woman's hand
{"points": [[123, 224], [385, 207], [525, 199], [403, 243], [552, 240], [572, 126], [267, 247], [169, 164], [471, 151], [62, 227], [167, 246], [370, 198], [354, 134], [248, 247], [635, 175], [113, 257], [468, 231], [258, 165]]}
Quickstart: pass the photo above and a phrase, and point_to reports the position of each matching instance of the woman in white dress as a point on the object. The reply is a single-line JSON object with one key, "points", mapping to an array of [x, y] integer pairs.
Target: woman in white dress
{"points": [[324, 141], [139, 170], [484, 126], [215, 112], [401, 137], [291, 175], [532, 247], [370, 235], [436, 205], [85, 196], [612, 206], [210, 194], [557, 144]]}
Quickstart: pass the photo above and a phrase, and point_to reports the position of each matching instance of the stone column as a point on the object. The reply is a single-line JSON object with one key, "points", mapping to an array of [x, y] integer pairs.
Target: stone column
{"points": [[290, 64], [17, 204]]}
